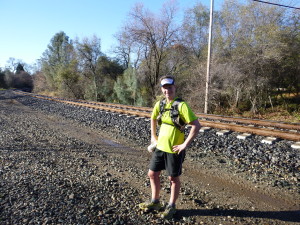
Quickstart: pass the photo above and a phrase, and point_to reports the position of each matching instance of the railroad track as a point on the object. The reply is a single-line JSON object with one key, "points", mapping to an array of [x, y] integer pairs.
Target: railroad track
{"points": [[281, 130]]}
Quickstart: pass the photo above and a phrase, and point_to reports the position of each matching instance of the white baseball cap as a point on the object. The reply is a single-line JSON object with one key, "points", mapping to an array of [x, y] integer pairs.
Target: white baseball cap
{"points": [[166, 81]]}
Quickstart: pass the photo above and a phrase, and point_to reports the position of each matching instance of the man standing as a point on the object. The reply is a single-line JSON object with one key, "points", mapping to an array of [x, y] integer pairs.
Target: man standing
{"points": [[170, 150]]}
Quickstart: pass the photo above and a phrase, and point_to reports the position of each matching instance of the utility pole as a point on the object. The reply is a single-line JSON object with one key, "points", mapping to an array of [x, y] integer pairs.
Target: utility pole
{"points": [[208, 55]]}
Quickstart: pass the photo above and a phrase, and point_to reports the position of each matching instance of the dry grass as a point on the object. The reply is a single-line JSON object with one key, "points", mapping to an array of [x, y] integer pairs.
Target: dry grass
{"points": [[275, 115]]}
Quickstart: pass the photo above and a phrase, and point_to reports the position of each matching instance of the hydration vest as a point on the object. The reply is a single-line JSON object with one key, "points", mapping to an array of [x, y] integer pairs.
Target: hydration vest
{"points": [[174, 113]]}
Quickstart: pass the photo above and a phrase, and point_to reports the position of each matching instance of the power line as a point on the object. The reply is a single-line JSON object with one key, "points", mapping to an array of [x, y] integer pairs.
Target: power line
{"points": [[270, 3]]}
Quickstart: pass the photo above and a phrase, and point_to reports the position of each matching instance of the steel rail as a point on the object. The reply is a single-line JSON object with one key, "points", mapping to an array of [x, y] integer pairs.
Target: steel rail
{"points": [[139, 108], [238, 128], [253, 130], [93, 106], [276, 124], [288, 126], [127, 110], [122, 111]]}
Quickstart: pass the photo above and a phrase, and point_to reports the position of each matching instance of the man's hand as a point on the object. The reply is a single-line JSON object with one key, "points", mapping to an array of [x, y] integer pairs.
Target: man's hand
{"points": [[179, 148]]}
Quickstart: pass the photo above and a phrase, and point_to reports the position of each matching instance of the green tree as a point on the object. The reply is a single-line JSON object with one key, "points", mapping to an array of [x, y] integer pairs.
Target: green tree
{"points": [[9, 78], [69, 81], [23, 80], [89, 52], [109, 67], [2, 79], [20, 68], [290, 71], [108, 70], [58, 55], [126, 87]]}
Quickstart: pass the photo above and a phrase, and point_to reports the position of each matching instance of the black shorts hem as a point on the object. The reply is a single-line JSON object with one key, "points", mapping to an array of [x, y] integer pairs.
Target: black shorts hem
{"points": [[171, 162]]}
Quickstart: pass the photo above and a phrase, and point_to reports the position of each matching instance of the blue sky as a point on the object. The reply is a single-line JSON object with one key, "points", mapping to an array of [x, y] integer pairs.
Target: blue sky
{"points": [[27, 26]]}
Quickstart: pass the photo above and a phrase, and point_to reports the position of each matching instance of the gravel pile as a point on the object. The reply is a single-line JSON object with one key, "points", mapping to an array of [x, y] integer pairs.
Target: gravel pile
{"points": [[46, 177]]}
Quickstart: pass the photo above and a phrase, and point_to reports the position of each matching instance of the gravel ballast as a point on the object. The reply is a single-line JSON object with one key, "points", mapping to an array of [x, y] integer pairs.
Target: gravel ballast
{"points": [[61, 164]]}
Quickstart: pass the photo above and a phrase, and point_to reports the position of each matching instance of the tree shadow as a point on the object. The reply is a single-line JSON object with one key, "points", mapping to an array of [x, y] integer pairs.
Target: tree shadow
{"points": [[288, 216]]}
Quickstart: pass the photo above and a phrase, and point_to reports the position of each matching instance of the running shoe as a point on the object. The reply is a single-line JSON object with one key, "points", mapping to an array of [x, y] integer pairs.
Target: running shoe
{"points": [[149, 206], [168, 213]]}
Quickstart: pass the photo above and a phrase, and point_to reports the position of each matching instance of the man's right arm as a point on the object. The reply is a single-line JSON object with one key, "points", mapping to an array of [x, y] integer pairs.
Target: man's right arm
{"points": [[153, 130]]}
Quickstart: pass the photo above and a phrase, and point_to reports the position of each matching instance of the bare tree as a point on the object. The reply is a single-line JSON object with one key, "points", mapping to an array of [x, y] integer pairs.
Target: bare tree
{"points": [[151, 36], [127, 50], [248, 44], [194, 32]]}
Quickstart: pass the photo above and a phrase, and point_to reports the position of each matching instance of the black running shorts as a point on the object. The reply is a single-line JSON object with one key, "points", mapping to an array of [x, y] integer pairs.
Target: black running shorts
{"points": [[167, 161]]}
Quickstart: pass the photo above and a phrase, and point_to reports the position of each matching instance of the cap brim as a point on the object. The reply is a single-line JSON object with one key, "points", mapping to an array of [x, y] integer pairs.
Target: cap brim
{"points": [[167, 81]]}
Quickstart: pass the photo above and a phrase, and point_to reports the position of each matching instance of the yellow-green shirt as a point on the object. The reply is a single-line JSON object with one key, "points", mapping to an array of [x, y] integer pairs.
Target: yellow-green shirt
{"points": [[169, 135]]}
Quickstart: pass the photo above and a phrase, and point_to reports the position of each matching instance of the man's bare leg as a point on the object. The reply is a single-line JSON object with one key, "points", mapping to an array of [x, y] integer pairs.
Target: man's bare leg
{"points": [[155, 184]]}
